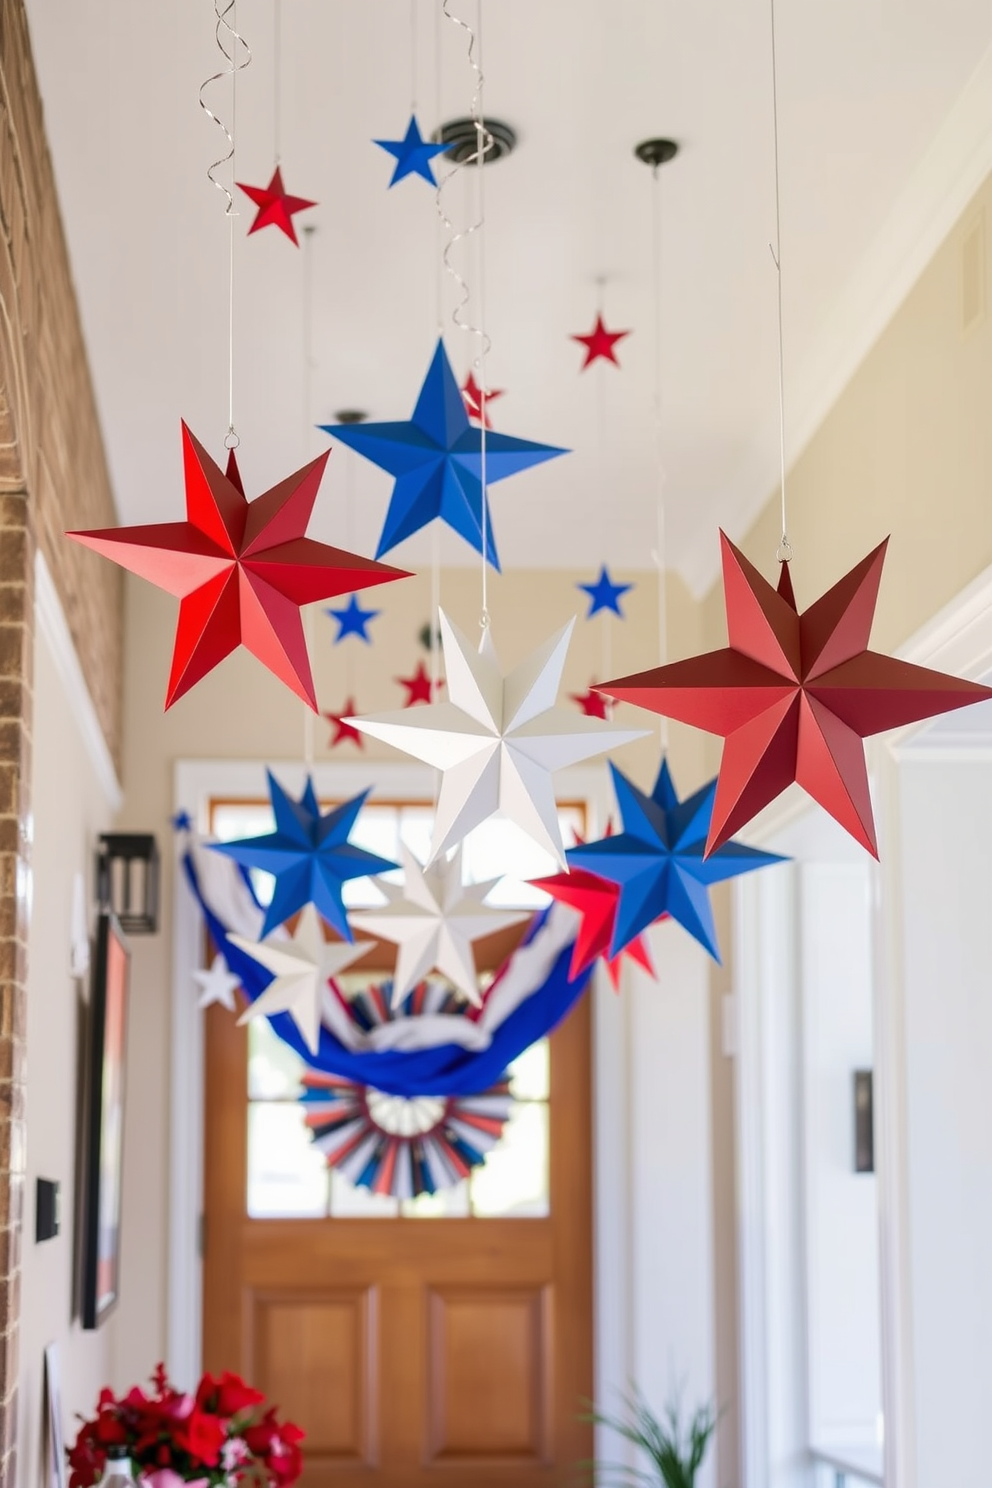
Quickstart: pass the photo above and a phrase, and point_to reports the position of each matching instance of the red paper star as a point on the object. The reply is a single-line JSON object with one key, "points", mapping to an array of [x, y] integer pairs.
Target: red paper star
{"points": [[593, 704], [418, 686], [600, 343], [276, 208], [343, 730], [472, 393], [595, 899], [241, 570], [794, 695]]}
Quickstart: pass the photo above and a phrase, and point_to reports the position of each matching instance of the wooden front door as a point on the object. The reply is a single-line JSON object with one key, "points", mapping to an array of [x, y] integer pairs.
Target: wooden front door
{"points": [[412, 1349]]}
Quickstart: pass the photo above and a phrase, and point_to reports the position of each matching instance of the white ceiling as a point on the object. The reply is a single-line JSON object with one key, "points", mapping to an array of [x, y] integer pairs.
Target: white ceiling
{"points": [[864, 91]]}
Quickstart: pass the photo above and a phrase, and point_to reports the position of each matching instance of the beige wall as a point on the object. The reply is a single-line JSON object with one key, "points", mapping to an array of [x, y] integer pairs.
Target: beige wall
{"points": [[70, 809], [906, 450]]}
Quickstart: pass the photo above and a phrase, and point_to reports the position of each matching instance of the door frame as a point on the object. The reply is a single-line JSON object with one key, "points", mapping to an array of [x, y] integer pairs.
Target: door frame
{"points": [[957, 639], [195, 782]]}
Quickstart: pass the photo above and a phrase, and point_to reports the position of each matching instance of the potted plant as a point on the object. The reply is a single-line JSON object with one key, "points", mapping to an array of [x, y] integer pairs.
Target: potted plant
{"points": [[674, 1452]]}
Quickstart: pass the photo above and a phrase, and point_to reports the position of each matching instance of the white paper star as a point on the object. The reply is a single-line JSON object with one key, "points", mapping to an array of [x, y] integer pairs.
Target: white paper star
{"points": [[497, 739], [302, 965], [434, 918], [217, 985]]}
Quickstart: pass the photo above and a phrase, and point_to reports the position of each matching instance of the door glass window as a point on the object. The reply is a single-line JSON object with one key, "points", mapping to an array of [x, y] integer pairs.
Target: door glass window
{"points": [[287, 1175]]}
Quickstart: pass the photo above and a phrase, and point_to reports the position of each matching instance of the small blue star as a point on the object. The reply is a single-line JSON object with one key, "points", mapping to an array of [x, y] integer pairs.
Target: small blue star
{"points": [[604, 594], [413, 154], [182, 822], [353, 620], [436, 457], [657, 860], [310, 856]]}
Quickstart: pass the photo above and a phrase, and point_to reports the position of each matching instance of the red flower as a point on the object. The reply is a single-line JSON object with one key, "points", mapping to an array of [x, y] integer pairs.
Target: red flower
{"points": [[227, 1395], [110, 1430], [201, 1435]]}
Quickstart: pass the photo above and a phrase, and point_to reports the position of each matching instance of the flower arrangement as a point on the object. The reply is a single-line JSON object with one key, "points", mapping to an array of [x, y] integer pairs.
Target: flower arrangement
{"points": [[225, 1434]]}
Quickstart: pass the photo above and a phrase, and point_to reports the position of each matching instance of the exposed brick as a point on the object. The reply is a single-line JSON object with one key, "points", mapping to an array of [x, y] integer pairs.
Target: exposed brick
{"points": [[53, 477]]}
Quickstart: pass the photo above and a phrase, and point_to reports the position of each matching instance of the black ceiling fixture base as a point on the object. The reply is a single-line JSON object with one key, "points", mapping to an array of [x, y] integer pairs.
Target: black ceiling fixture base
{"points": [[461, 136], [350, 416], [655, 152]]}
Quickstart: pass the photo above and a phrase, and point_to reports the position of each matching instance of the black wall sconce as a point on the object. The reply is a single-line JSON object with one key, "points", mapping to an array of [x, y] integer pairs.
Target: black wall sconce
{"points": [[127, 879], [864, 1122]]}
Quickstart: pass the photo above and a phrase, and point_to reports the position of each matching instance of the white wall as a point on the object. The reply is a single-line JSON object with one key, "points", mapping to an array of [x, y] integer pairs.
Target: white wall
{"points": [[808, 1223], [71, 806], [945, 825], [672, 1345], [841, 1205]]}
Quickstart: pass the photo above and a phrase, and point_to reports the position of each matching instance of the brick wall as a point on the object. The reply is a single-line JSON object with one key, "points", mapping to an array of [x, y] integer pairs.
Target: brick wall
{"points": [[53, 475]]}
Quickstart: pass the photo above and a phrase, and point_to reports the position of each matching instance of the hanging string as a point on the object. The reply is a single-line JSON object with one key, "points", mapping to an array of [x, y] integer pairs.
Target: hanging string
{"points": [[224, 27], [413, 56], [785, 549], [661, 552], [439, 216], [435, 610], [309, 716], [484, 143], [605, 617], [308, 370], [277, 78]]}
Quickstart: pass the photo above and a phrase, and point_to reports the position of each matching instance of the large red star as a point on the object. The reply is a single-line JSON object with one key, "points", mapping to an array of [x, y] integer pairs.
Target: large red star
{"points": [[418, 687], [472, 394], [276, 208], [593, 704], [344, 732], [794, 695], [240, 570], [595, 900], [600, 343]]}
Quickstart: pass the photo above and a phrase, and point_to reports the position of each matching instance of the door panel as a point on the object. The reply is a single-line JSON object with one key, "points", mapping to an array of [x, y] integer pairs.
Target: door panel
{"points": [[489, 1344], [410, 1350], [314, 1352]]}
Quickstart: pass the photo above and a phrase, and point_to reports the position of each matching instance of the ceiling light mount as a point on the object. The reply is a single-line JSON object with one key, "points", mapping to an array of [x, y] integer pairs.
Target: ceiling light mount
{"points": [[350, 416], [461, 137], [655, 152]]}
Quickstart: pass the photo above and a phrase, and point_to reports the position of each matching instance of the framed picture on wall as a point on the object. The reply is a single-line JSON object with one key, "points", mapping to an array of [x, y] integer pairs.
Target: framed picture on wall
{"points": [[103, 1165]]}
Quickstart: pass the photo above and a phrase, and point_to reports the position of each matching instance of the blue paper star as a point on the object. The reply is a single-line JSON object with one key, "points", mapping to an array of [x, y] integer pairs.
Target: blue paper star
{"points": [[309, 855], [413, 154], [353, 620], [436, 459], [657, 860], [604, 594], [182, 822]]}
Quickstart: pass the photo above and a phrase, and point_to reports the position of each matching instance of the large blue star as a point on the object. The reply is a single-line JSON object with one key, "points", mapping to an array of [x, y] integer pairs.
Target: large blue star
{"points": [[413, 154], [657, 860], [309, 855], [351, 619], [437, 461], [604, 594]]}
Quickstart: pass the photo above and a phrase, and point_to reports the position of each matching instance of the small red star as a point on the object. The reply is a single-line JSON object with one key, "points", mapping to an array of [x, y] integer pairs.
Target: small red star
{"points": [[600, 343], [418, 686], [472, 393], [276, 208], [343, 730], [595, 901], [593, 704]]}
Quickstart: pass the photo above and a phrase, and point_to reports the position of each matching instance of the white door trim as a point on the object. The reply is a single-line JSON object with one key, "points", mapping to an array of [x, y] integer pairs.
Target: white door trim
{"points": [[195, 782]]}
